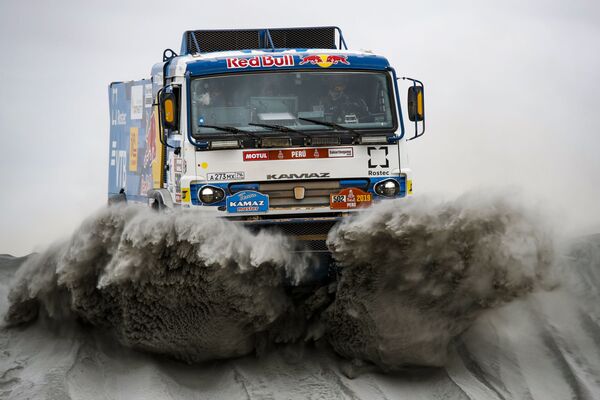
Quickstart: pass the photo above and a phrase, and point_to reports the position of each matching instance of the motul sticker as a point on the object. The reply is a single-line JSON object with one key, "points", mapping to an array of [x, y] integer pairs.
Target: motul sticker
{"points": [[298, 154], [260, 61], [350, 198]]}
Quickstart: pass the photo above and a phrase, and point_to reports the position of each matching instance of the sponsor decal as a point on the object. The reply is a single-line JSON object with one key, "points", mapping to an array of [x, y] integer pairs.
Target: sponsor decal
{"points": [[378, 173], [225, 176], [178, 164], [378, 157], [255, 155], [133, 149], [148, 95], [121, 166], [324, 60], [341, 152], [137, 102], [304, 175], [260, 61], [298, 154], [350, 198], [247, 201], [118, 117]]}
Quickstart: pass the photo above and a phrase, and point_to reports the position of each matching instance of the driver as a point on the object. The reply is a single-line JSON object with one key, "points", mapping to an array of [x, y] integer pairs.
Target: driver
{"points": [[342, 106], [212, 95]]}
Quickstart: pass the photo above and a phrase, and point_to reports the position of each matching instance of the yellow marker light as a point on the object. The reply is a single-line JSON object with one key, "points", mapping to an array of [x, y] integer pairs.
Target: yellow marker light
{"points": [[409, 186], [169, 113], [185, 195], [420, 103]]}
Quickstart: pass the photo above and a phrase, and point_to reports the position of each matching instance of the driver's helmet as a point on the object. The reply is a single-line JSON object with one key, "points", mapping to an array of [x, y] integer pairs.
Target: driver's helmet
{"points": [[337, 88]]}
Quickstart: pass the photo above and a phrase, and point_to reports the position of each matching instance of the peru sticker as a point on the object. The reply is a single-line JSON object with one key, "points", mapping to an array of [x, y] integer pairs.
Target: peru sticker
{"points": [[350, 198]]}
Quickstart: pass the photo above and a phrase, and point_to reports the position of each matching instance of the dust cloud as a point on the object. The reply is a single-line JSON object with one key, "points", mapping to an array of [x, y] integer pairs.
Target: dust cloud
{"points": [[412, 277], [178, 283], [417, 274]]}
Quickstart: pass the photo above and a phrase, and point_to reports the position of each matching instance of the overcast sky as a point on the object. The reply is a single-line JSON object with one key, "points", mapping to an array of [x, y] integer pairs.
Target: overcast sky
{"points": [[512, 95]]}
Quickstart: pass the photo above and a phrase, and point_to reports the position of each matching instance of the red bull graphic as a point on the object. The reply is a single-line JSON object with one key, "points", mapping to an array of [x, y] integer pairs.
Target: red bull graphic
{"points": [[136, 154], [260, 61], [150, 176], [324, 60]]}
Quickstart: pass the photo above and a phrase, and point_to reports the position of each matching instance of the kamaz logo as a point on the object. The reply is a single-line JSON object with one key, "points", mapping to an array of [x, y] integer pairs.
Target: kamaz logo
{"points": [[304, 175], [247, 203]]}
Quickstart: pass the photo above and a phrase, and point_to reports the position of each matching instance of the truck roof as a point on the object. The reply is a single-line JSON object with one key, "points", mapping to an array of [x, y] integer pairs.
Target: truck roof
{"points": [[206, 52]]}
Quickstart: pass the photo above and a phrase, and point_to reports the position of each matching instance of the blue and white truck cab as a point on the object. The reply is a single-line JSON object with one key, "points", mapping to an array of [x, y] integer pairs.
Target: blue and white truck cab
{"points": [[278, 127]]}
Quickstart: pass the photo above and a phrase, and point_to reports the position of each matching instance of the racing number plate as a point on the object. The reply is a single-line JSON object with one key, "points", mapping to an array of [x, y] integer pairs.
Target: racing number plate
{"points": [[350, 198]]}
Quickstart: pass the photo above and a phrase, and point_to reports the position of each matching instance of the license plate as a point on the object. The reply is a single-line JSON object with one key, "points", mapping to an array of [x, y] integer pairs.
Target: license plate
{"points": [[349, 199]]}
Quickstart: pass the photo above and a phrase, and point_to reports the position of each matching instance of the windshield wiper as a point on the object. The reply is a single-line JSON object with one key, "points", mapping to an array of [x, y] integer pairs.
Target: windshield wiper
{"points": [[230, 129], [333, 125], [281, 128]]}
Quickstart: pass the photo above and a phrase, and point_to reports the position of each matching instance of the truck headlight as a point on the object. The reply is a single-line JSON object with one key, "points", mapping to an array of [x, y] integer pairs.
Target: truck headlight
{"points": [[210, 194], [387, 188]]}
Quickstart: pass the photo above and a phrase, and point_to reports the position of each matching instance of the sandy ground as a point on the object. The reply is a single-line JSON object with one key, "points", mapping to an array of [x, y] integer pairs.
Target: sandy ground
{"points": [[546, 346]]}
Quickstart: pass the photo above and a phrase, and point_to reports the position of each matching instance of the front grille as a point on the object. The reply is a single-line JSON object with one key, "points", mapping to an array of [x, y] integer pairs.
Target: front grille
{"points": [[309, 236], [314, 246], [316, 192]]}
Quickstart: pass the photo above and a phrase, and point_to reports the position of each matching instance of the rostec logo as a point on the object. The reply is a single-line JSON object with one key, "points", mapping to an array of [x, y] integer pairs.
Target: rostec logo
{"points": [[260, 61], [324, 60]]}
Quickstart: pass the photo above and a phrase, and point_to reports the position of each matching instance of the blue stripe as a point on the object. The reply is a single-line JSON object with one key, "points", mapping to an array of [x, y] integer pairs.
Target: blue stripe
{"points": [[219, 65]]}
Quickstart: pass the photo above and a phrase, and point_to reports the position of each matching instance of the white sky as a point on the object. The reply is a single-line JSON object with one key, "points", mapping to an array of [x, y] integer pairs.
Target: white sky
{"points": [[512, 95]]}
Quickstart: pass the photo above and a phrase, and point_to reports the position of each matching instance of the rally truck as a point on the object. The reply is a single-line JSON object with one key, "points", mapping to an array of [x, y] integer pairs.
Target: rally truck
{"points": [[281, 128]]}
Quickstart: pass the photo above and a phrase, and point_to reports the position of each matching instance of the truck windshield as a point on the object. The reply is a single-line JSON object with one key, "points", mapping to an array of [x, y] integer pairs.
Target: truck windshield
{"points": [[354, 100]]}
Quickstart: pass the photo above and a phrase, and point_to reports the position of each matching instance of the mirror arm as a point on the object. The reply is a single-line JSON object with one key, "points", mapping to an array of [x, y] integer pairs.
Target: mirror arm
{"points": [[161, 128], [398, 103], [416, 83]]}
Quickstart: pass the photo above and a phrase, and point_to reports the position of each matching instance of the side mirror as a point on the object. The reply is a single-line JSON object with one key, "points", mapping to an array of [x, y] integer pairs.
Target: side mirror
{"points": [[416, 106], [169, 107]]}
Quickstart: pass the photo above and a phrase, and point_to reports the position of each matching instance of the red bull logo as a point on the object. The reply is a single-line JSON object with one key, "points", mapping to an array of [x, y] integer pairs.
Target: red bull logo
{"points": [[324, 60], [260, 61]]}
